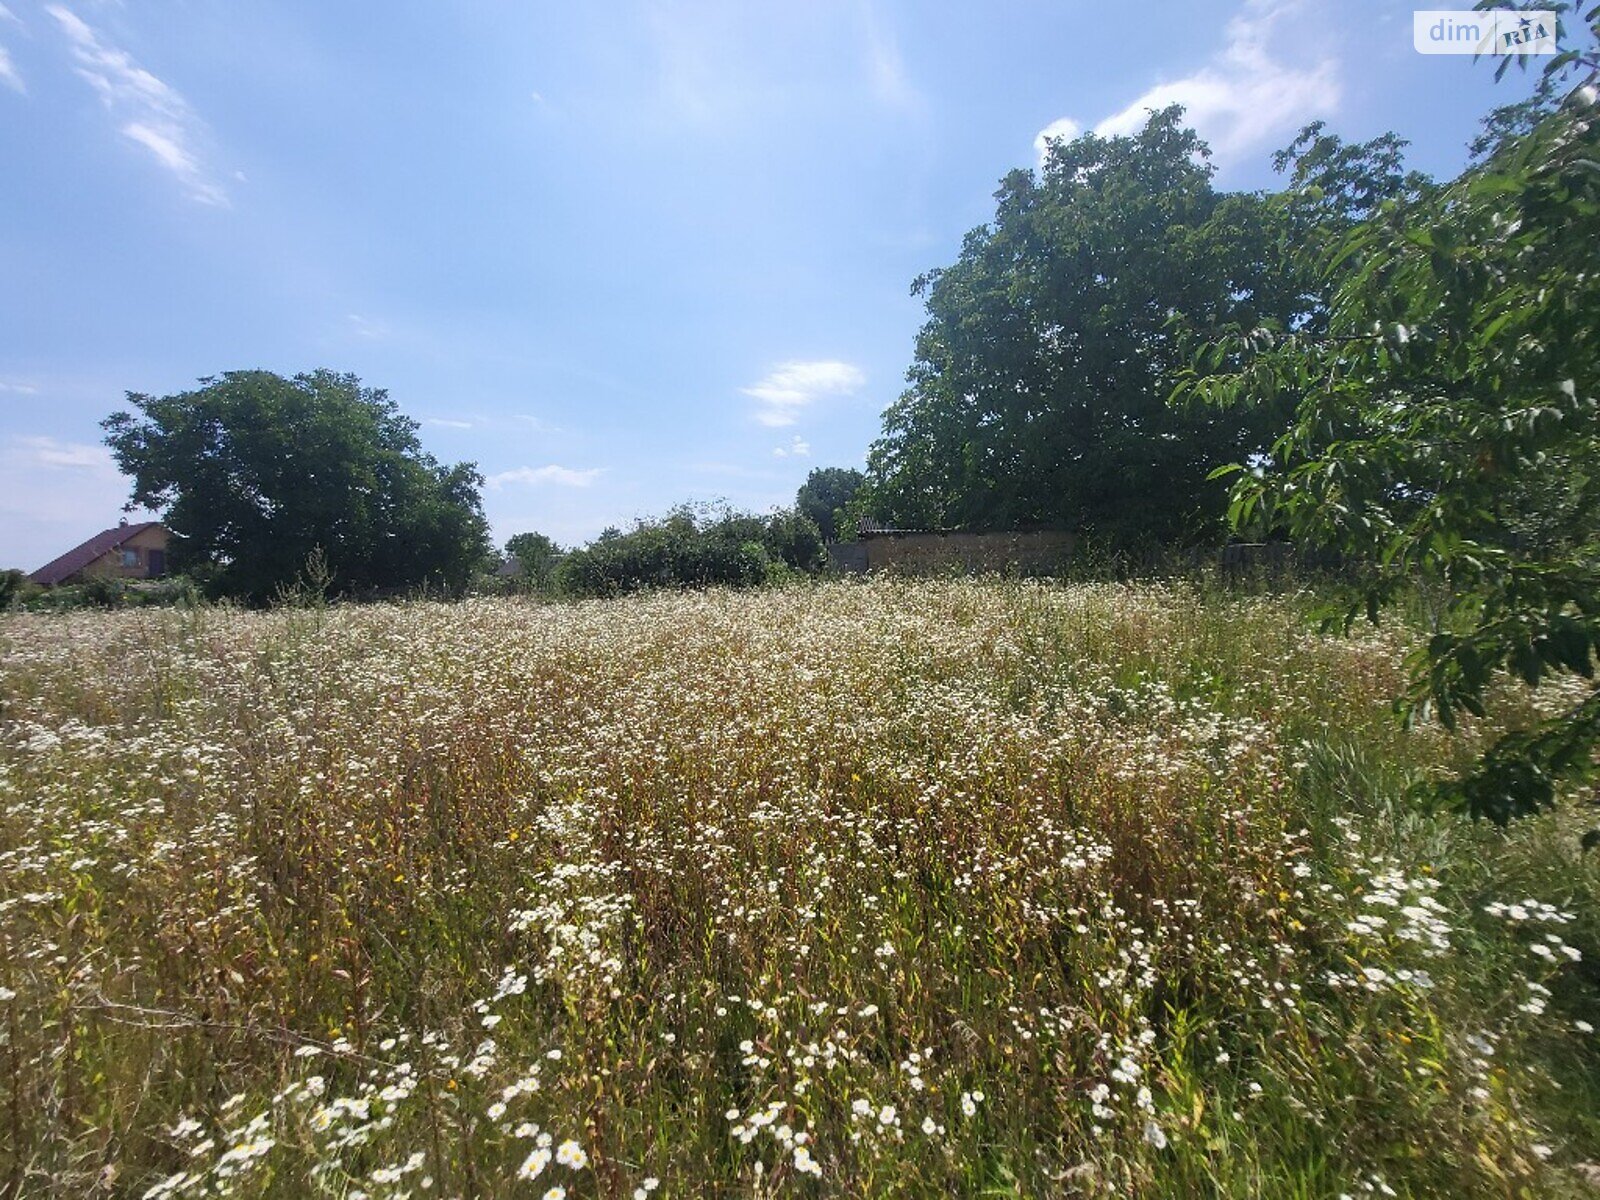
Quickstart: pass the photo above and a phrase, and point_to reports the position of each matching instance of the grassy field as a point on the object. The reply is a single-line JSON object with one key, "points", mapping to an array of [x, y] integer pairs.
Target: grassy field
{"points": [[885, 889]]}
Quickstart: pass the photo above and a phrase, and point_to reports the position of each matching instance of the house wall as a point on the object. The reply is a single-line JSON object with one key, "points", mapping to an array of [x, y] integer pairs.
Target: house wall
{"points": [[110, 565], [929, 553]]}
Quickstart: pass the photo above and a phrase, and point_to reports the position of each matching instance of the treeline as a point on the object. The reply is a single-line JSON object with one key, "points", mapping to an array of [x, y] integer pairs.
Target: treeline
{"points": [[694, 546]]}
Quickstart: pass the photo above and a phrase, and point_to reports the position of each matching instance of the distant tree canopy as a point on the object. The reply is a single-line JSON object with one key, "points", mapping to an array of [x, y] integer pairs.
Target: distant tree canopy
{"points": [[256, 474], [825, 492], [535, 556], [693, 546], [1038, 395]]}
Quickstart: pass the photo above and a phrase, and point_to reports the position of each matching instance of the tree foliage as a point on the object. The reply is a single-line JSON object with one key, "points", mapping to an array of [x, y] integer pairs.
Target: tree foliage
{"points": [[535, 556], [13, 583], [693, 547], [1332, 186], [827, 491], [1444, 427], [256, 473], [1038, 393]]}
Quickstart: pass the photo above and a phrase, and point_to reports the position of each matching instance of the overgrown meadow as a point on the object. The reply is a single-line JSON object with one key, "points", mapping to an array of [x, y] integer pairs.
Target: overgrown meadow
{"points": [[887, 889]]}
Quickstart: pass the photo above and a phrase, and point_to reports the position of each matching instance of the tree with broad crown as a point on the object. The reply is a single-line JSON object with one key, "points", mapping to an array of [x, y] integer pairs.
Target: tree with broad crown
{"points": [[255, 474], [1038, 393]]}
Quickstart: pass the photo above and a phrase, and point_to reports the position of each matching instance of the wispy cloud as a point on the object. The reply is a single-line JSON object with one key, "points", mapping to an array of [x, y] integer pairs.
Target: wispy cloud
{"points": [[561, 476], [798, 447], [57, 493], [366, 327], [20, 389], [512, 425], [698, 77], [792, 386], [151, 113], [170, 153], [886, 69], [8, 69], [8, 73], [1247, 95], [722, 66], [67, 456]]}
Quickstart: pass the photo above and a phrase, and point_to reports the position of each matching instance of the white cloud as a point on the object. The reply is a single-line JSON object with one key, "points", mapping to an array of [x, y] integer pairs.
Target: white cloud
{"points": [[798, 447], [366, 327], [47, 452], [21, 389], [173, 156], [1062, 129], [562, 476], [8, 69], [1247, 95], [8, 73], [792, 386], [151, 113], [446, 423]]}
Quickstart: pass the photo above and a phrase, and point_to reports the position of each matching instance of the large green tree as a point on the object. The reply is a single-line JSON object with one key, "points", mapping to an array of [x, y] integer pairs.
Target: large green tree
{"points": [[258, 474], [1445, 427], [1038, 392]]}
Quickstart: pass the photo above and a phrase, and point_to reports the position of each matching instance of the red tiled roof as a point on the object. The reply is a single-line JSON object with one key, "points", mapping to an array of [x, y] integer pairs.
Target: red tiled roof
{"points": [[69, 564]]}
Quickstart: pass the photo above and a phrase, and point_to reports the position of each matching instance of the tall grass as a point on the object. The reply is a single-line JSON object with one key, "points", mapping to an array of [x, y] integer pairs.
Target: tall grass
{"points": [[886, 889]]}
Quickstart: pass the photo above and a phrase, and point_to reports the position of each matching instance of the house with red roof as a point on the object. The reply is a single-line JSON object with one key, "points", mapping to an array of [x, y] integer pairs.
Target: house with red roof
{"points": [[126, 551]]}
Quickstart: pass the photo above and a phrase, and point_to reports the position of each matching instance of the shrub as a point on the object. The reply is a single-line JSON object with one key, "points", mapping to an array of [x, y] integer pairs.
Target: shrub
{"points": [[693, 547], [103, 591], [12, 584]]}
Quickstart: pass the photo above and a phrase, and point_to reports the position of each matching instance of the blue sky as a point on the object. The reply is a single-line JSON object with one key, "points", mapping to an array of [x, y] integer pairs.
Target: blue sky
{"points": [[620, 255]]}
